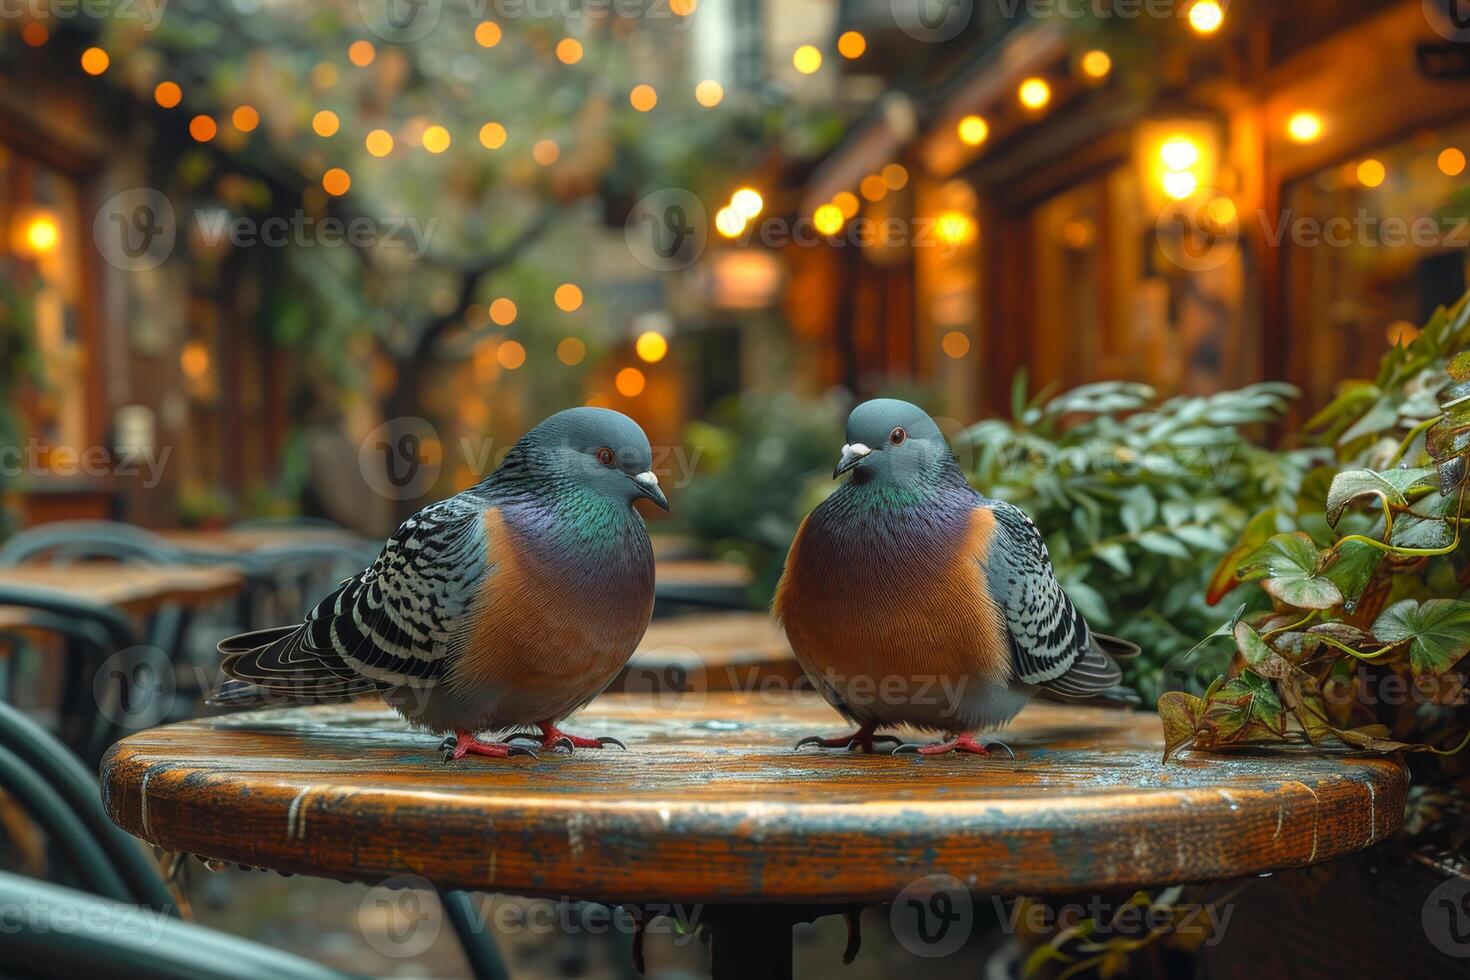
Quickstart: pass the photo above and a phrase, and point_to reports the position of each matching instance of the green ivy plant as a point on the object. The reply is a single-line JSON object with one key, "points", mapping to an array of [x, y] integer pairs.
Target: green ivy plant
{"points": [[1367, 581], [1137, 497]]}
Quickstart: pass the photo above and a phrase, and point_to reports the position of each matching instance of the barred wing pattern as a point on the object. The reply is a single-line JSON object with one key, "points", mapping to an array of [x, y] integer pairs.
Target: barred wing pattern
{"points": [[1051, 644], [397, 624]]}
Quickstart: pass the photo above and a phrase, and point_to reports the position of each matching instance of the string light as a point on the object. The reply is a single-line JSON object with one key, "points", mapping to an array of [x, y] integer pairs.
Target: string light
{"points": [[34, 34], [1180, 184], [511, 354], [326, 123], [168, 94], [895, 177], [95, 61], [643, 97], [651, 346], [1206, 16], [846, 203], [569, 51], [492, 136], [545, 152], [682, 8], [571, 351], [851, 45], [379, 142], [1034, 93], [436, 139], [361, 53], [568, 297], [42, 234], [1179, 153], [1451, 162], [1096, 64], [336, 182], [747, 202], [807, 59], [955, 344], [487, 34], [973, 130], [1304, 127], [503, 312], [873, 188], [828, 219], [1371, 172], [202, 128], [245, 118], [709, 93], [954, 228], [630, 382], [728, 222]]}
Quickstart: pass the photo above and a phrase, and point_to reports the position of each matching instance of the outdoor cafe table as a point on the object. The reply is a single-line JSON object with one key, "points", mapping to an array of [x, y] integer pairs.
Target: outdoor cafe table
{"points": [[711, 806], [138, 590]]}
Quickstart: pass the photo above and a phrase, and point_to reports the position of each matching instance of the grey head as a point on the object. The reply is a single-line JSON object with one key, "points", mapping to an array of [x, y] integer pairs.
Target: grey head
{"points": [[593, 449], [892, 440]]}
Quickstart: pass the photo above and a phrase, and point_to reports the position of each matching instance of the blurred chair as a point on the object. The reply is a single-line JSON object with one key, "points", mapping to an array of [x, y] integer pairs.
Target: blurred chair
{"points": [[113, 939]]}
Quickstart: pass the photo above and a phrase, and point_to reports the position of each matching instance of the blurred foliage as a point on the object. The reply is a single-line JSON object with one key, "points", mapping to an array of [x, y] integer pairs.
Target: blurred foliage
{"points": [[1368, 614], [762, 463], [19, 364], [1137, 497]]}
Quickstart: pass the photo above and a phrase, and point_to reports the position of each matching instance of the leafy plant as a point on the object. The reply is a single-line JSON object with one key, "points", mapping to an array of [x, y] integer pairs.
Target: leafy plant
{"points": [[1137, 497], [1368, 583]]}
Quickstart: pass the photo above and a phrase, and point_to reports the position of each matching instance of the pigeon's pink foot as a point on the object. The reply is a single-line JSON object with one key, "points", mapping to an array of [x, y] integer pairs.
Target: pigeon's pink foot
{"points": [[961, 743], [461, 744], [862, 739], [553, 737]]}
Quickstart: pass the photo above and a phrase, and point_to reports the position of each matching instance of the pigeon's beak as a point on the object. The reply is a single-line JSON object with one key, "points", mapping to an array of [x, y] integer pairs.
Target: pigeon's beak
{"points": [[647, 484], [852, 454]]}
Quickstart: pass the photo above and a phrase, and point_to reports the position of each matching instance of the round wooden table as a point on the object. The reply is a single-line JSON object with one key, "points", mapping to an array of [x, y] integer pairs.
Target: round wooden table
{"points": [[712, 806]]}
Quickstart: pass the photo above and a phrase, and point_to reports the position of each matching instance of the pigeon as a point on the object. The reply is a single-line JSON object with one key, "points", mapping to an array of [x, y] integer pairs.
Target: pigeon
{"points": [[509, 605], [911, 599]]}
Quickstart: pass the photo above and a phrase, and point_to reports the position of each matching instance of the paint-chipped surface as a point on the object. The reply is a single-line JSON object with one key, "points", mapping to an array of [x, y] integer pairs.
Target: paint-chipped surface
{"points": [[712, 804]]}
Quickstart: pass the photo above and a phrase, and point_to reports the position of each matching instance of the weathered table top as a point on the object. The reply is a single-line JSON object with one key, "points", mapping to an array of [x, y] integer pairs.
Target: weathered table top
{"points": [[711, 804], [133, 588]]}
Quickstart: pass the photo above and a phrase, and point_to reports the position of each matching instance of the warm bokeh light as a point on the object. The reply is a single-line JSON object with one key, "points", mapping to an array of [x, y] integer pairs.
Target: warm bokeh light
{"points": [[807, 59], [1304, 127], [324, 75], [95, 61], [336, 182], [728, 222], [1097, 64], [571, 351], [245, 118], [1451, 162], [955, 344], [1034, 93], [361, 53], [1371, 172], [973, 130], [503, 312], [202, 128], [872, 187], [1179, 153], [511, 354], [569, 51], [651, 346], [379, 142], [747, 202], [487, 34], [168, 94], [1206, 16], [709, 93], [326, 123], [846, 203], [1179, 184], [34, 34], [436, 139], [630, 382], [851, 44], [545, 152], [568, 297], [643, 97], [42, 234], [492, 136], [828, 219], [955, 228], [895, 176], [682, 8], [194, 359]]}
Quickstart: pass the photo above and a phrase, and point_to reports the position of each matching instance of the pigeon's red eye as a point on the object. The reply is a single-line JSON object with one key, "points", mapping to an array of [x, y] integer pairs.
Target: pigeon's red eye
{"points": [[605, 456], [897, 436]]}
